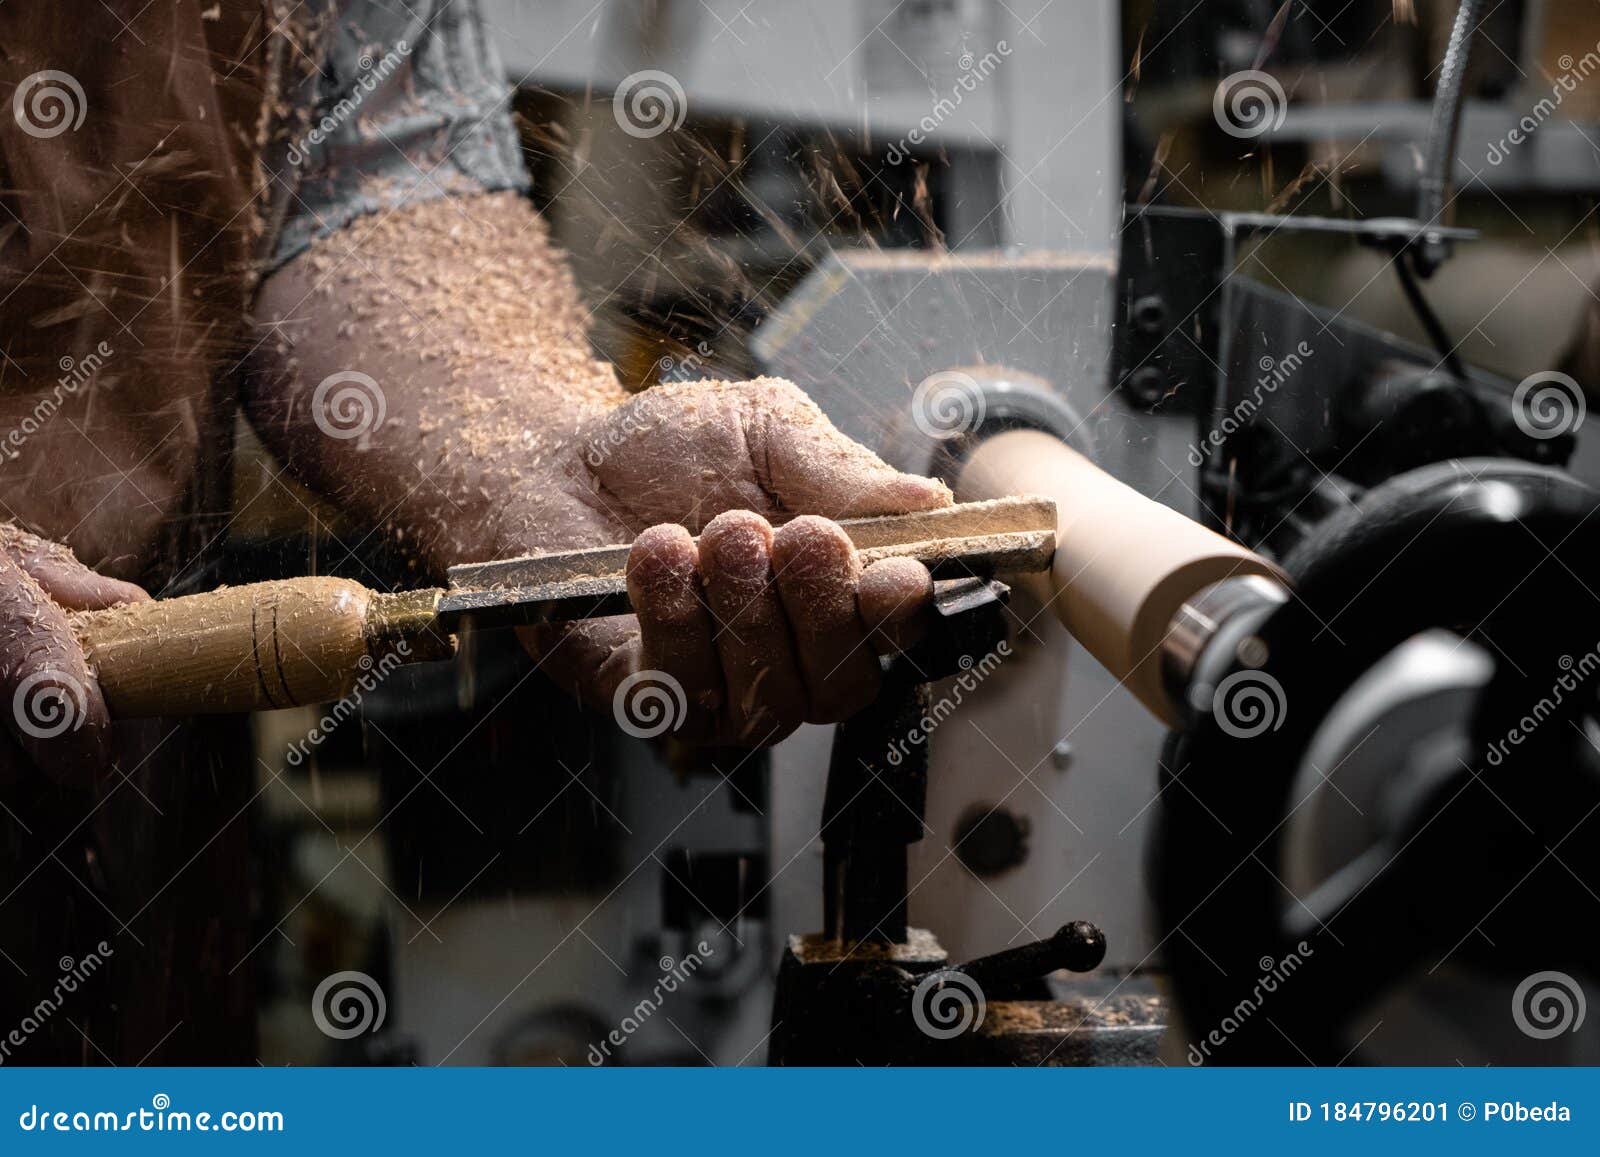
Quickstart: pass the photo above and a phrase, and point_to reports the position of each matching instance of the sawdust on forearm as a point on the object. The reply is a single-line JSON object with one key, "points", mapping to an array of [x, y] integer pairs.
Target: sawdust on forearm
{"points": [[467, 316]]}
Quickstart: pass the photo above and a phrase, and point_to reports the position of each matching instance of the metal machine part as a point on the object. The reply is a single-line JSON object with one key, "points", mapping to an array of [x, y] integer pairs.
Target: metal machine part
{"points": [[1031, 334], [996, 397], [878, 774], [1444, 134], [1405, 818], [870, 989], [990, 840], [1233, 607], [1297, 406], [890, 83], [843, 1003], [1027, 332], [1420, 694], [1359, 770]]}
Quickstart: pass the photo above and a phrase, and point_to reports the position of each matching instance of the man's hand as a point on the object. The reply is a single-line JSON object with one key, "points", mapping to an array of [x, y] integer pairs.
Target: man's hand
{"points": [[55, 717], [484, 427], [763, 628]]}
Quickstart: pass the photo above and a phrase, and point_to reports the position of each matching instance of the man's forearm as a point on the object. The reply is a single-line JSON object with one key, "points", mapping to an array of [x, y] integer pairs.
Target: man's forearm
{"points": [[425, 368], [501, 434]]}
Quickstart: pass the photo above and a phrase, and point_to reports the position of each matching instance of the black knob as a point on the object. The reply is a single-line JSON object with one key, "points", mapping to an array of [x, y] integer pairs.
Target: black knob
{"points": [[1077, 947]]}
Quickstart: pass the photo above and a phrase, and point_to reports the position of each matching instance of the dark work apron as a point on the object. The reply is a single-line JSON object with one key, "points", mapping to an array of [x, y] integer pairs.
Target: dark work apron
{"points": [[137, 221]]}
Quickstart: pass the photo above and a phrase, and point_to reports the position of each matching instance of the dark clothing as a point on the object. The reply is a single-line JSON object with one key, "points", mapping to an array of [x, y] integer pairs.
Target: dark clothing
{"points": [[154, 160]]}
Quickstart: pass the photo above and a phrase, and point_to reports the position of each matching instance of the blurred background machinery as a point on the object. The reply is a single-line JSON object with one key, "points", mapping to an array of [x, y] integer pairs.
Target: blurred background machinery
{"points": [[1042, 200]]}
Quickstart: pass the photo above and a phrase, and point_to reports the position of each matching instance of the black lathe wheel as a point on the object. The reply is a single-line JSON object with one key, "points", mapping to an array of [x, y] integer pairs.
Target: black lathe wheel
{"points": [[1502, 553]]}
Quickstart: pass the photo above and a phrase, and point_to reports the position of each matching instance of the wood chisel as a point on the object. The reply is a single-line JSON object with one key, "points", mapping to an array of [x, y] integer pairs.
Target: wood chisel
{"points": [[307, 640]]}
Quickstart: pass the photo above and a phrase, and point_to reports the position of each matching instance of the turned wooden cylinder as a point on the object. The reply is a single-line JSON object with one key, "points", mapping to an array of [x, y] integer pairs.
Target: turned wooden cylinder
{"points": [[1124, 564]]}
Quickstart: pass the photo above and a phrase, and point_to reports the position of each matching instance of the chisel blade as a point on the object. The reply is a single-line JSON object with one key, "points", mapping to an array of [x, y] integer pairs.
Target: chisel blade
{"points": [[981, 539]]}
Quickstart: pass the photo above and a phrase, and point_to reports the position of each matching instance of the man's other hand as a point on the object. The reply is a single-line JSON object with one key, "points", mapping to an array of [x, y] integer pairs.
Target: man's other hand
{"points": [[54, 715]]}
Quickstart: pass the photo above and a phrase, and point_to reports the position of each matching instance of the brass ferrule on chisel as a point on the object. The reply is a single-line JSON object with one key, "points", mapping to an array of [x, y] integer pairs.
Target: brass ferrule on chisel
{"points": [[407, 623], [309, 640]]}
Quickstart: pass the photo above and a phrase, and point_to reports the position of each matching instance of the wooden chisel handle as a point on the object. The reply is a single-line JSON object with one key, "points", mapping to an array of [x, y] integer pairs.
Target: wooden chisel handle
{"points": [[252, 648]]}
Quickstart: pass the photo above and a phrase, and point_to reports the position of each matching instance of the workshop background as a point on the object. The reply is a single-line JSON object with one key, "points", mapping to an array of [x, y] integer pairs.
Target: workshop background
{"points": [[856, 194]]}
